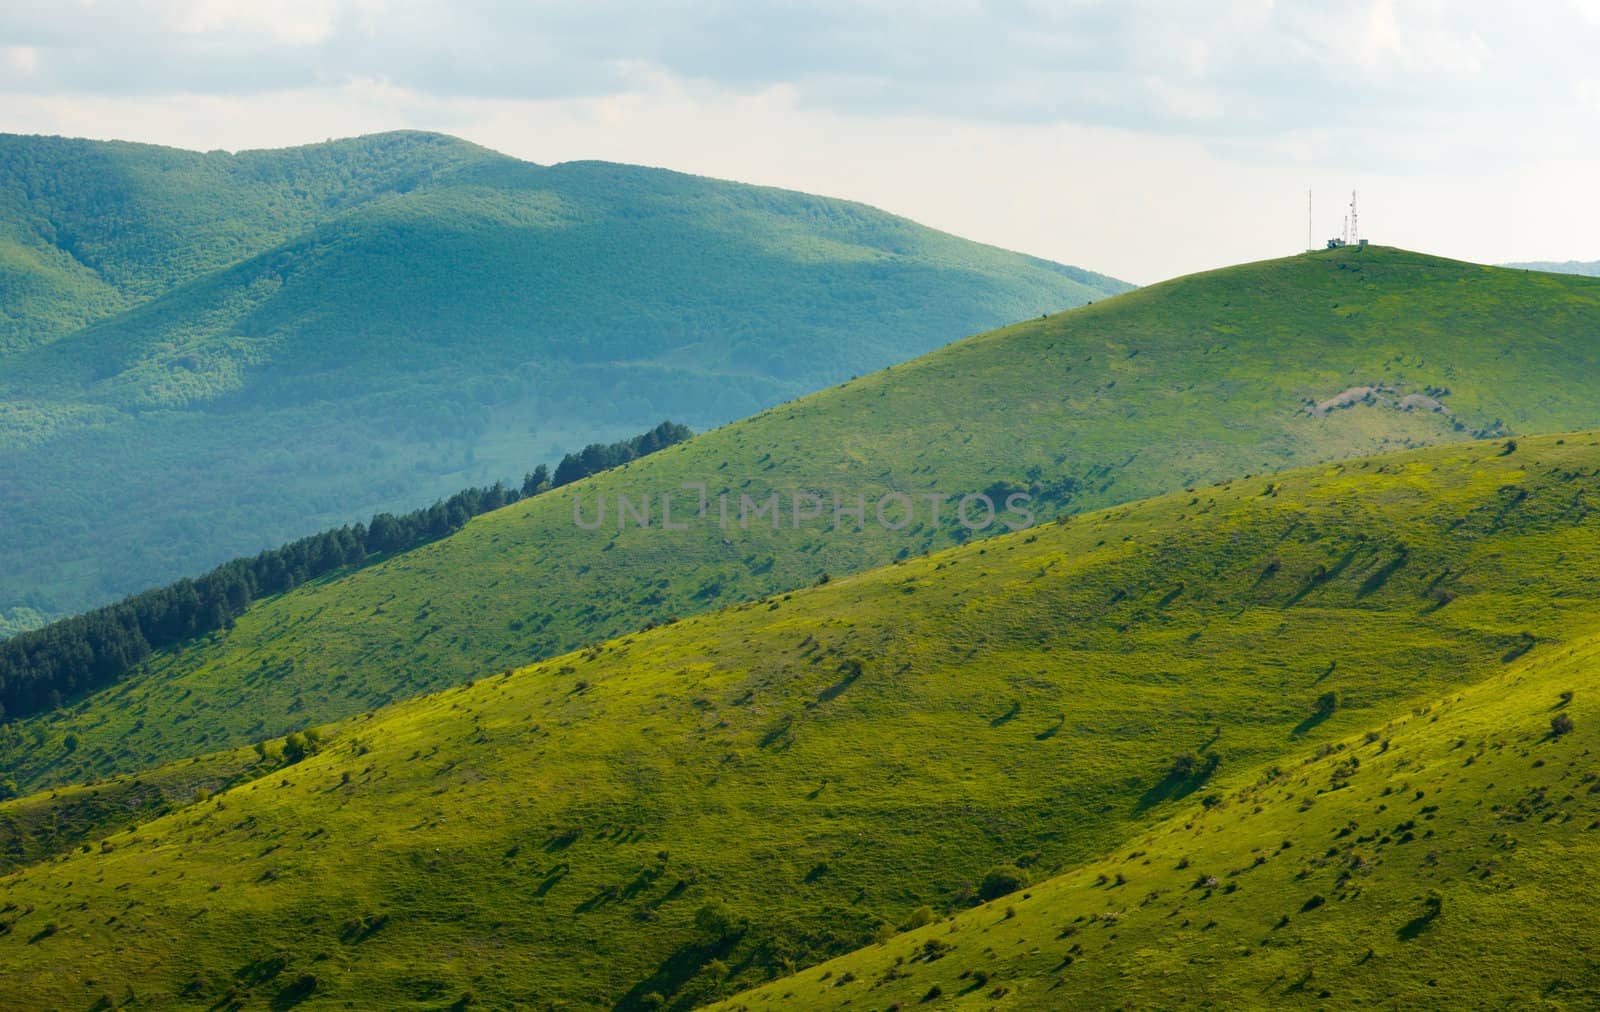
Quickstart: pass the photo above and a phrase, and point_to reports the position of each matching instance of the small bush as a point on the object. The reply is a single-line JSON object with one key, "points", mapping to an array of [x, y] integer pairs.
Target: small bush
{"points": [[295, 748], [920, 917], [1001, 880], [1560, 724], [716, 923]]}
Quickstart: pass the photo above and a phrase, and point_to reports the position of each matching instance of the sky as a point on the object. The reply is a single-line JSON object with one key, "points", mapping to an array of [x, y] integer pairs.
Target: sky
{"points": [[1143, 139]]}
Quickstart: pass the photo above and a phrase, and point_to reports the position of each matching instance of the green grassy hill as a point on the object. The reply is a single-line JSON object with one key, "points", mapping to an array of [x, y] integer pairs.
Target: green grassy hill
{"points": [[38, 826], [205, 354], [1442, 859], [690, 810], [1218, 375]]}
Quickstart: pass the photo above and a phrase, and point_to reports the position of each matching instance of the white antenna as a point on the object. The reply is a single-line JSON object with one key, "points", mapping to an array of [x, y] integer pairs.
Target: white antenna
{"points": [[1345, 230], [1353, 231]]}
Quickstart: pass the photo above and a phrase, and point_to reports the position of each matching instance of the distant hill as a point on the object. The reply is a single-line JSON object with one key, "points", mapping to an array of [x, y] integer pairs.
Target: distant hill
{"points": [[1589, 269], [1185, 684], [1246, 370], [205, 354]]}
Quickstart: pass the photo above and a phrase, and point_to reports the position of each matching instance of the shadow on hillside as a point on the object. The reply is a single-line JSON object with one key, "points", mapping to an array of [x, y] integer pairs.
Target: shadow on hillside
{"points": [[1525, 642], [674, 972], [297, 991], [1179, 782], [1320, 576], [1310, 722], [1417, 925], [1008, 716]]}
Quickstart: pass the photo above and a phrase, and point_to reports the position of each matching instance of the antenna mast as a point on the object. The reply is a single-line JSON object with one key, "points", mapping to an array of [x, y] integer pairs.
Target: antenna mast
{"points": [[1353, 230]]}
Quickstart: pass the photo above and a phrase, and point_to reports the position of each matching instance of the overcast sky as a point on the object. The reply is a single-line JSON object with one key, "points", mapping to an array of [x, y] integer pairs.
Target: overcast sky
{"points": [[1144, 139]]}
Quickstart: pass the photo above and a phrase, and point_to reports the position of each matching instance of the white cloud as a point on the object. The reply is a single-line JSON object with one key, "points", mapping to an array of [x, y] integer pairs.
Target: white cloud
{"points": [[296, 22], [1139, 137], [20, 60]]}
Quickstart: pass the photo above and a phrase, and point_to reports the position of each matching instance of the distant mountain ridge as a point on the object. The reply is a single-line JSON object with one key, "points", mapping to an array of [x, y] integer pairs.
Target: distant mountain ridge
{"points": [[1587, 268], [202, 355]]}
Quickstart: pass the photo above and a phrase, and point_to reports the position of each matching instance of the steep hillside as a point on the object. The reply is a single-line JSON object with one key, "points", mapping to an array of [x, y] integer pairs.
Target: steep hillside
{"points": [[209, 353], [1234, 372], [689, 810], [40, 826], [1369, 872]]}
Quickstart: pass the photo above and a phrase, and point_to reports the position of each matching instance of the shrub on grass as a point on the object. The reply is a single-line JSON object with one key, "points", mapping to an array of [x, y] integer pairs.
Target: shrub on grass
{"points": [[920, 917], [715, 923], [1001, 880], [1560, 724], [295, 748]]}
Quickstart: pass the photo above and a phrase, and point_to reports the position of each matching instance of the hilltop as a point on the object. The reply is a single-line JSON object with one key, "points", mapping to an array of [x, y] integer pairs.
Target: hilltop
{"points": [[686, 811], [207, 354], [1240, 371]]}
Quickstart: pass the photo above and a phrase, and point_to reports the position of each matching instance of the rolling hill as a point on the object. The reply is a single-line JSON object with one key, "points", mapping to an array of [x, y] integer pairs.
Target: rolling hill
{"points": [[1239, 371], [205, 354], [667, 818], [1368, 872]]}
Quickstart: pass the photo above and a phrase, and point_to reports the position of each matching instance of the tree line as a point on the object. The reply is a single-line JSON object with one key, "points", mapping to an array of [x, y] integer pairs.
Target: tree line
{"points": [[42, 668], [597, 457]]}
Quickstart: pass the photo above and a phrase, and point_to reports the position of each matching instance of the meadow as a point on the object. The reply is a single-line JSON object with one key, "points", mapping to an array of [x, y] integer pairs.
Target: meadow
{"points": [[673, 816]]}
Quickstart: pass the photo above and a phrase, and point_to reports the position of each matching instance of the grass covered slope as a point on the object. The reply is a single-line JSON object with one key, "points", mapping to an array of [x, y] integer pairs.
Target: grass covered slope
{"points": [[1195, 380], [209, 353], [1443, 859], [692, 809], [40, 826]]}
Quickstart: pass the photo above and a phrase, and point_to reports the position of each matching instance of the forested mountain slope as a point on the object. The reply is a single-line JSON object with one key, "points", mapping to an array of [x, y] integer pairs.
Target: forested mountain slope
{"points": [[202, 355]]}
